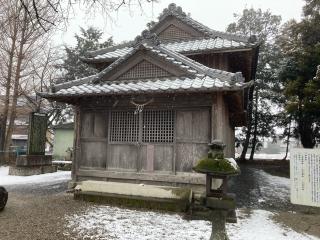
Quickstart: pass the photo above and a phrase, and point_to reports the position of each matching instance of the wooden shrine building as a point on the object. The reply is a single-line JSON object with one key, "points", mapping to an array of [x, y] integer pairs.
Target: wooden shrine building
{"points": [[156, 103]]}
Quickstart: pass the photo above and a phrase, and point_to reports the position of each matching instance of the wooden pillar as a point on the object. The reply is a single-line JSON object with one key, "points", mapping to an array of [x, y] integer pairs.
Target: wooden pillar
{"points": [[213, 117], [76, 143], [220, 125], [217, 118]]}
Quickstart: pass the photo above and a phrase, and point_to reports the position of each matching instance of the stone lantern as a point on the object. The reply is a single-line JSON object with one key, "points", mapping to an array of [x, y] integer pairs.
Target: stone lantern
{"points": [[217, 201], [217, 170]]}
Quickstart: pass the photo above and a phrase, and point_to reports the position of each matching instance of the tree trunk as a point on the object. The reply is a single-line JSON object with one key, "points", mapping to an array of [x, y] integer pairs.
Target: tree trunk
{"points": [[305, 128], [249, 126], [288, 141], [4, 117], [254, 140], [15, 94], [306, 134]]}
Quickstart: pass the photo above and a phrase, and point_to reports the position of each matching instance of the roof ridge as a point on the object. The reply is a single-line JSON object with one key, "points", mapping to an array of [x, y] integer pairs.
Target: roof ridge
{"points": [[75, 82], [108, 49], [177, 11]]}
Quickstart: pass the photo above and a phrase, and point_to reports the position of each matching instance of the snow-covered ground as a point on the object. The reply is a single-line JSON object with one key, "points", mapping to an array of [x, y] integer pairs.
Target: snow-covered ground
{"points": [[105, 222], [6, 179], [273, 187], [267, 156]]}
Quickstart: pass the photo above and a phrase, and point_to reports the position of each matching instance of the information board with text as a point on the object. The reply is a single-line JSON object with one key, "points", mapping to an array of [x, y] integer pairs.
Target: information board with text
{"points": [[305, 176]]}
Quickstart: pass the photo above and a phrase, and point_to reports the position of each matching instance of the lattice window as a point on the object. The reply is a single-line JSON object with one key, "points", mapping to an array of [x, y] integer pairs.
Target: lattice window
{"points": [[174, 33], [158, 126], [124, 126], [144, 69]]}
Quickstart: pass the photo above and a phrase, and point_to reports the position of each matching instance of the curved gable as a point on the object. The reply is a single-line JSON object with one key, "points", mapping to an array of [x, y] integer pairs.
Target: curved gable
{"points": [[173, 29], [144, 69]]}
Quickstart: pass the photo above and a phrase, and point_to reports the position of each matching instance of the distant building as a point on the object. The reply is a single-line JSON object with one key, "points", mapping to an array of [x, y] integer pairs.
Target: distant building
{"points": [[63, 140]]}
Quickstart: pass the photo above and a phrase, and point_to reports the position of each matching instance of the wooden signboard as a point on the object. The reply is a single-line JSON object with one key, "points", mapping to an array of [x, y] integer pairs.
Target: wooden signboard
{"points": [[305, 176], [37, 133]]}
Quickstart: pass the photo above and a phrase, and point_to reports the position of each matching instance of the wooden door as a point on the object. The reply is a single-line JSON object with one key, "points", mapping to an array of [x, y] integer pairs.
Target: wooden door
{"points": [[157, 140], [93, 139], [192, 137]]}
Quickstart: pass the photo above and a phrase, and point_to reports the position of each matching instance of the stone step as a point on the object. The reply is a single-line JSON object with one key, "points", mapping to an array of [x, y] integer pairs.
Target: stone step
{"points": [[135, 195]]}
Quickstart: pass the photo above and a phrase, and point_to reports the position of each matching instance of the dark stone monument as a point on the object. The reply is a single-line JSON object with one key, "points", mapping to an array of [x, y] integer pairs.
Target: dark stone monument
{"points": [[35, 162], [217, 201]]}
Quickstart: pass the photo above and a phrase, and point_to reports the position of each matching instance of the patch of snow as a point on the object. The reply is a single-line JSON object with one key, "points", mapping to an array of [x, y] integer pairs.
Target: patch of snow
{"points": [[274, 186], [6, 179], [268, 156], [233, 163], [61, 162], [259, 225], [265, 156], [106, 222]]}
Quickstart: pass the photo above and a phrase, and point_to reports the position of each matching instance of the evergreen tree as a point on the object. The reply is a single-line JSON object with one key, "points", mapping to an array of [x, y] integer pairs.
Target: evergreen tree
{"points": [[300, 43], [265, 92], [72, 66]]}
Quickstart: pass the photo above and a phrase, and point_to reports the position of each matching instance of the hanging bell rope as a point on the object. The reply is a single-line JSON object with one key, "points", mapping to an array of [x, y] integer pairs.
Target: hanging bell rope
{"points": [[140, 106]]}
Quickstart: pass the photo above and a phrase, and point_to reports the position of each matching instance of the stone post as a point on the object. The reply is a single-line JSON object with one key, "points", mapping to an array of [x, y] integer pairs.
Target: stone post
{"points": [[218, 219]]}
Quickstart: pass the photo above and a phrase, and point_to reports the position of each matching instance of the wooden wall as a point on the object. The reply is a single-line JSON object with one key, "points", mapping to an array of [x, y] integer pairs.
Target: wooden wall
{"points": [[206, 118], [228, 61]]}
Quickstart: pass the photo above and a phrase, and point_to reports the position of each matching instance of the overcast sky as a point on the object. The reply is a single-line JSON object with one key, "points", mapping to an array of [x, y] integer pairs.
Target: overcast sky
{"points": [[216, 14]]}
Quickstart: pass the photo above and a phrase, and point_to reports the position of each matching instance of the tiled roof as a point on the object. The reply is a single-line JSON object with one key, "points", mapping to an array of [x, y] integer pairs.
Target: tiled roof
{"points": [[192, 67], [213, 40], [166, 85], [186, 47], [197, 76], [151, 44]]}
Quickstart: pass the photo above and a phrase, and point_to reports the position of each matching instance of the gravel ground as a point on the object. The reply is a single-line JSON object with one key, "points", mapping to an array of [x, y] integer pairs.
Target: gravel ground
{"points": [[39, 211]]}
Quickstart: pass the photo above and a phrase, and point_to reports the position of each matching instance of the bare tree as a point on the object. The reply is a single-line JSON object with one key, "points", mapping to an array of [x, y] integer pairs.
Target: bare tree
{"points": [[63, 8], [20, 42]]}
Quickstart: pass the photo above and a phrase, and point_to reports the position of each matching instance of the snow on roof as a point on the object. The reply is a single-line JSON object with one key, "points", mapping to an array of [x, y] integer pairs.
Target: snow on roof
{"points": [[186, 46], [149, 86], [197, 76], [212, 40]]}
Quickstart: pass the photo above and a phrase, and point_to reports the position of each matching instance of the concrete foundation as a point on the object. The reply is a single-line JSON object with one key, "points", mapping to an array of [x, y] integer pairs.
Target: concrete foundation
{"points": [[135, 195]]}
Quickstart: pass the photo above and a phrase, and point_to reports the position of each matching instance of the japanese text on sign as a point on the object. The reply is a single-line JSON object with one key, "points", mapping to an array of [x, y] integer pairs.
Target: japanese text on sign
{"points": [[305, 176]]}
